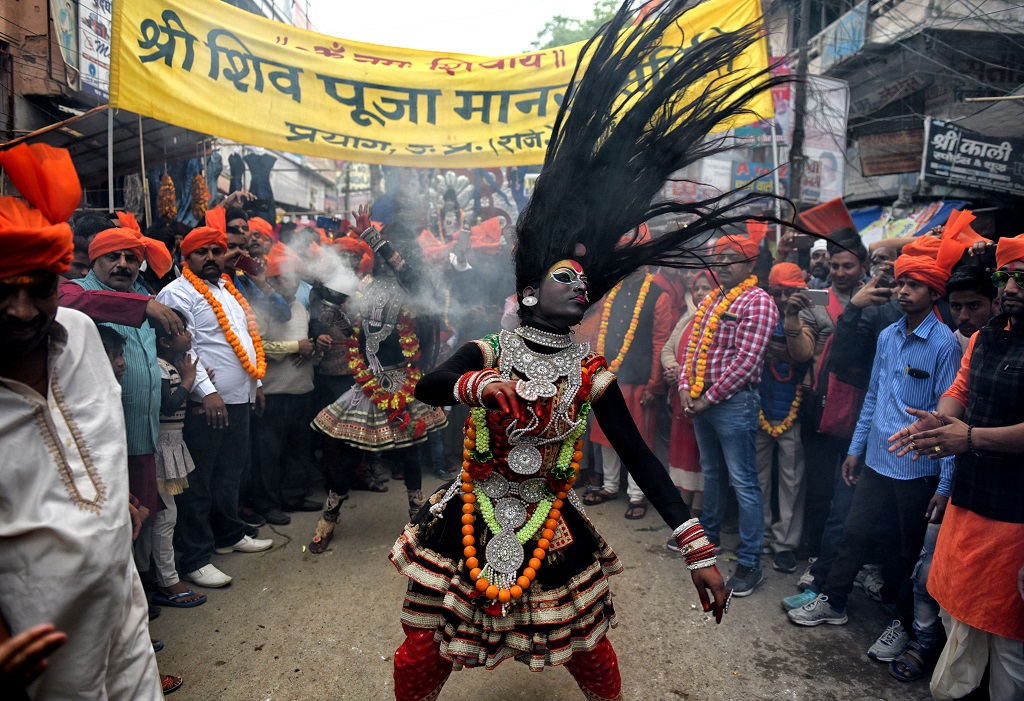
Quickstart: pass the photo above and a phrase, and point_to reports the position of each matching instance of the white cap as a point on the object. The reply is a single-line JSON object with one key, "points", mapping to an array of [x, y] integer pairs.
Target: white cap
{"points": [[819, 245]]}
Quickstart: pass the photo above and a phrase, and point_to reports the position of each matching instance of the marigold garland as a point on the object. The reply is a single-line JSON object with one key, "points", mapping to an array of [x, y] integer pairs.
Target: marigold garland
{"points": [[787, 423], [200, 196], [167, 201], [258, 370], [394, 404], [699, 349], [606, 312]]}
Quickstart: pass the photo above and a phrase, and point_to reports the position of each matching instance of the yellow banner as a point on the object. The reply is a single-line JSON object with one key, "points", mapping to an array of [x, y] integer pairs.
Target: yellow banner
{"points": [[213, 68]]}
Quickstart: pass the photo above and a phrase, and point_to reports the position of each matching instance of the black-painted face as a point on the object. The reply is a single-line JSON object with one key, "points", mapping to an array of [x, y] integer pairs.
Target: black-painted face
{"points": [[562, 297]]}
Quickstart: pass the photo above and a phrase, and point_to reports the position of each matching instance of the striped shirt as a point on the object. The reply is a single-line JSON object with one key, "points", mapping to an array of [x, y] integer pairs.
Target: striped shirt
{"points": [[932, 353]]}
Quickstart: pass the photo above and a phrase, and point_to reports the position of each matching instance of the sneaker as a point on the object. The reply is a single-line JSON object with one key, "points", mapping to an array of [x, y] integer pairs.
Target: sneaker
{"points": [[745, 579], [798, 600], [870, 580], [250, 517], [818, 611], [785, 561], [208, 576], [672, 545], [892, 643], [276, 517], [246, 545], [806, 580]]}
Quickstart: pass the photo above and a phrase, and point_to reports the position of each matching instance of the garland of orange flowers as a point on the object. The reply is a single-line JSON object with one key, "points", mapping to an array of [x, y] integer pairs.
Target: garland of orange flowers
{"points": [[257, 371], [606, 312], [699, 349], [394, 404], [787, 423], [167, 202]]}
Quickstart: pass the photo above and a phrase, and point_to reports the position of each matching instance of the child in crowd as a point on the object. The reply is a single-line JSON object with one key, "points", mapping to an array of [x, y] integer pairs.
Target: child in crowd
{"points": [[173, 462], [113, 346]]}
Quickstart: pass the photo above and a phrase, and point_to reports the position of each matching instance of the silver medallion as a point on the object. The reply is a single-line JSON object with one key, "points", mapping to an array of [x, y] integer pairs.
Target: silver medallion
{"points": [[495, 486], [532, 490], [510, 513], [505, 553], [525, 459]]}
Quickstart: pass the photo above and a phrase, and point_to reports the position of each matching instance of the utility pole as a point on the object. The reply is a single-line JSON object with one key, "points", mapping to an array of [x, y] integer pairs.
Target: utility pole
{"points": [[797, 159]]}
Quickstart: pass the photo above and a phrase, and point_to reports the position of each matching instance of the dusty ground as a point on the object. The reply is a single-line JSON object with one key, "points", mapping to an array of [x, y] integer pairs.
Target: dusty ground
{"points": [[299, 626]]}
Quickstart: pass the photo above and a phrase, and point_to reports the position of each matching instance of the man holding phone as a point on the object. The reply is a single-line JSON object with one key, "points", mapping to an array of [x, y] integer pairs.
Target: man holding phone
{"points": [[916, 359], [252, 282]]}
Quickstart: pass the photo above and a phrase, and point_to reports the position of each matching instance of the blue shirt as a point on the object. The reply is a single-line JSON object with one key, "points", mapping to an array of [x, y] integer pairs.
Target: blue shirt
{"points": [[930, 348]]}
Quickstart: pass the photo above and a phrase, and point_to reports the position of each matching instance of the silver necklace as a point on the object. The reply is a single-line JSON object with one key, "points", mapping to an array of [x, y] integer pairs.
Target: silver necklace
{"points": [[544, 338], [379, 309]]}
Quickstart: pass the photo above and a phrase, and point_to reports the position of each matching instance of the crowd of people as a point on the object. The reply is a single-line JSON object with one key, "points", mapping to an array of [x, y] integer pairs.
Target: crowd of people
{"points": [[855, 407]]}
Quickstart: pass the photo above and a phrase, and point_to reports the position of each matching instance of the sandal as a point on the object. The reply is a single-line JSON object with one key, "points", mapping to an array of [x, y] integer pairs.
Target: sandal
{"points": [[598, 496], [175, 600], [158, 645], [170, 683], [910, 666], [637, 510]]}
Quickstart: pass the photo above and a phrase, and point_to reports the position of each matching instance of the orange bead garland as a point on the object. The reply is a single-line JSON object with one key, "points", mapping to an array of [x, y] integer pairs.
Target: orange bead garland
{"points": [[699, 349], [787, 423], [606, 312], [258, 370]]}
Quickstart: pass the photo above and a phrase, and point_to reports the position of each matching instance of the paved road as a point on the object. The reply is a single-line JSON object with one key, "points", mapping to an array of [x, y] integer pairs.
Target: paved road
{"points": [[299, 626]]}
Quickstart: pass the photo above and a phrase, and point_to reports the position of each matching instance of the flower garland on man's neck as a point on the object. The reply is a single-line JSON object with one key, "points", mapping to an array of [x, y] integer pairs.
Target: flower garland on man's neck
{"points": [[606, 312], [393, 404], [258, 370], [699, 348], [787, 423]]}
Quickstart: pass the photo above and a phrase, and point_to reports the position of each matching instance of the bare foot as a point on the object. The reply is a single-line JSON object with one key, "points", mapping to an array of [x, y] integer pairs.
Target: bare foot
{"points": [[179, 588]]}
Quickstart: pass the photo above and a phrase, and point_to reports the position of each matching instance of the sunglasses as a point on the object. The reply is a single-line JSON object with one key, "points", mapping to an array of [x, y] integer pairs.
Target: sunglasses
{"points": [[1001, 277]]}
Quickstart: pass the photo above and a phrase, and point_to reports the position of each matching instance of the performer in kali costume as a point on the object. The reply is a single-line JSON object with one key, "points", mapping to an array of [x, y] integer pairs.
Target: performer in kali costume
{"points": [[505, 563], [378, 413]]}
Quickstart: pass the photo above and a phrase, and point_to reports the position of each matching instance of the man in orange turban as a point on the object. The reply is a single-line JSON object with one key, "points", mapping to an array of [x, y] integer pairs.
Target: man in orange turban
{"points": [[114, 244], [358, 251], [88, 584], [923, 269], [282, 260]]}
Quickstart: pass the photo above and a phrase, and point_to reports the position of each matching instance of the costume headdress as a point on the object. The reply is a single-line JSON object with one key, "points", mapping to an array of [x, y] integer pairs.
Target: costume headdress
{"points": [[35, 233], [618, 138]]}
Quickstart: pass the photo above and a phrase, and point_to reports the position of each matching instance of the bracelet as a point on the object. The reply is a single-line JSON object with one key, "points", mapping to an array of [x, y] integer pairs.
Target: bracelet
{"points": [[697, 549], [970, 440], [469, 390]]}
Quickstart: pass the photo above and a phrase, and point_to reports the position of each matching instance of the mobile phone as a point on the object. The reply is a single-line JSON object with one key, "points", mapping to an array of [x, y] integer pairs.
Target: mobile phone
{"points": [[887, 280], [802, 242], [819, 297], [248, 265]]}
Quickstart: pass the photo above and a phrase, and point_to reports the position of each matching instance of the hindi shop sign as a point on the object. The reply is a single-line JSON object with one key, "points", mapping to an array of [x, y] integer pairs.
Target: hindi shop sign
{"points": [[959, 157], [219, 70]]}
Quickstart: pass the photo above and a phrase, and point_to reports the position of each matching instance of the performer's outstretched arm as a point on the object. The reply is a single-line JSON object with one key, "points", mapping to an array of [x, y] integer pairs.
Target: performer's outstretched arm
{"points": [[436, 386]]}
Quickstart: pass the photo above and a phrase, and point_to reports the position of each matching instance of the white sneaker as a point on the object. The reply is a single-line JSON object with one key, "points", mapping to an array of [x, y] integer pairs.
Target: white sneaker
{"points": [[870, 580], [208, 576], [892, 643], [247, 545], [806, 580]]}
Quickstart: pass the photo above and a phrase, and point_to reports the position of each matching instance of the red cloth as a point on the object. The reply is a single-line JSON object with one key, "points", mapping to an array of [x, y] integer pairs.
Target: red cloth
{"points": [[683, 452], [216, 217], [142, 482], [597, 672], [282, 260], [1009, 249], [103, 306], [736, 356], [203, 236], [152, 251], [923, 269], [35, 235], [357, 247], [786, 275], [419, 668]]}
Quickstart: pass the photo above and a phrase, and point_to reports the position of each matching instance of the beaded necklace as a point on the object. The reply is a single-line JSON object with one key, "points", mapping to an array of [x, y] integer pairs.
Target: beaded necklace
{"points": [[699, 349], [258, 370], [606, 313]]}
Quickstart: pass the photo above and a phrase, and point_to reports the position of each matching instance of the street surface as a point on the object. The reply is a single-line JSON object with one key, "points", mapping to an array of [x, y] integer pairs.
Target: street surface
{"points": [[298, 626]]}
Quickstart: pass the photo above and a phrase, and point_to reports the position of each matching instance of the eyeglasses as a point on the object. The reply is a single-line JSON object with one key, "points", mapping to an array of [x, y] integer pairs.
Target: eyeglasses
{"points": [[1001, 277]]}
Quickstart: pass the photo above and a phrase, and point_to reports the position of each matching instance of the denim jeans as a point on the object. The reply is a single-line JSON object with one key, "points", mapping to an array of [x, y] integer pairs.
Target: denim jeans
{"points": [[731, 427], [931, 636], [208, 509]]}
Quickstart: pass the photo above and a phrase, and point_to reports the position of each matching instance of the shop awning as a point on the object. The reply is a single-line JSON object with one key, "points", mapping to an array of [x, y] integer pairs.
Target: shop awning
{"points": [[85, 137]]}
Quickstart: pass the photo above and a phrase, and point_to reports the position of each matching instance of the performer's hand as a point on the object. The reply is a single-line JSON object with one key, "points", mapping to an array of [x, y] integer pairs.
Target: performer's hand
{"points": [[502, 396], [363, 218], [902, 439], [323, 342], [23, 658], [216, 412], [710, 578]]}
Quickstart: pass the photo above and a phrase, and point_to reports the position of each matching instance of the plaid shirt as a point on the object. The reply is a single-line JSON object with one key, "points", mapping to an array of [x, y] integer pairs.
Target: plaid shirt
{"points": [[736, 355]]}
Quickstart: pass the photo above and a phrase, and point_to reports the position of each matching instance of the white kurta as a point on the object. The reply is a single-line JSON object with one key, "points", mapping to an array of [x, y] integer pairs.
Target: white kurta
{"points": [[65, 532]]}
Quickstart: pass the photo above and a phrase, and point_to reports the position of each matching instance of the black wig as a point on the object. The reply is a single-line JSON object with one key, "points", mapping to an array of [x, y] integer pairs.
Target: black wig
{"points": [[621, 132]]}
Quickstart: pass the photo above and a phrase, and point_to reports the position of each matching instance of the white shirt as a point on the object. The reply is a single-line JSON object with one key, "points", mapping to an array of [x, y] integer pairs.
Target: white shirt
{"points": [[231, 380], [65, 532]]}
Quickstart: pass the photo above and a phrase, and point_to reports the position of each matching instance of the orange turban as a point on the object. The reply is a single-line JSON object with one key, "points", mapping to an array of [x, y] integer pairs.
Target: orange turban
{"points": [[154, 252], [786, 275], [357, 247], [203, 236], [923, 269], [927, 246], [1009, 249], [36, 236], [282, 260], [216, 218], [262, 227], [748, 246]]}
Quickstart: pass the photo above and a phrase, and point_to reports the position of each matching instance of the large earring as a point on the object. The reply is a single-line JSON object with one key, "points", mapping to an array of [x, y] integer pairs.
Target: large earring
{"points": [[529, 301]]}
